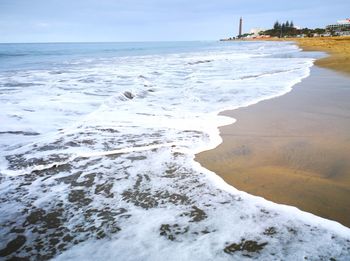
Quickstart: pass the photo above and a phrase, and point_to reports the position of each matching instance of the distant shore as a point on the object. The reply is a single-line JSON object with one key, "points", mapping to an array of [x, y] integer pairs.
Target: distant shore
{"points": [[295, 149]]}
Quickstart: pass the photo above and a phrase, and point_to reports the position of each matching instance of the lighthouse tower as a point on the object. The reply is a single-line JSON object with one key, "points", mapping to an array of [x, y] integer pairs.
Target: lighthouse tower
{"points": [[240, 27]]}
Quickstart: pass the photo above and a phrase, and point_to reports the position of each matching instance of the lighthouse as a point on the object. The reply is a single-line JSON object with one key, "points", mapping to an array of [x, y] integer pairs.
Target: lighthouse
{"points": [[240, 27]]}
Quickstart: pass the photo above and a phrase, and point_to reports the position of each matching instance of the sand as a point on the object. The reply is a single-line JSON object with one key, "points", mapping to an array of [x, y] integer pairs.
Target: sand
{"points": [[294, 149], [338, 49]]}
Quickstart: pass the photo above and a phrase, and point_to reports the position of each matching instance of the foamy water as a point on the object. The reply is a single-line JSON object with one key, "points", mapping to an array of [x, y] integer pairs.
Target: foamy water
{"points": [[97, 146]]}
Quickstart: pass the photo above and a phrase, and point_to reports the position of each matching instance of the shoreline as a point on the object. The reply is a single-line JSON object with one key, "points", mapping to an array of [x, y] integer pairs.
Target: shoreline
{"points": [[292, 149], [338, 49]]}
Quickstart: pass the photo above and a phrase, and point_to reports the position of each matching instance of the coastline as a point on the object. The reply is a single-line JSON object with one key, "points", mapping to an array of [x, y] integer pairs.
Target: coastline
{"points": [[83, 191], [293, 149], [338, 49]]}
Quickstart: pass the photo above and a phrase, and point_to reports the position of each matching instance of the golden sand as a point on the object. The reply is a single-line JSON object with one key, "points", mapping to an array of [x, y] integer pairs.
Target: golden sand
{"points": [[337, 47], [295, 149]]}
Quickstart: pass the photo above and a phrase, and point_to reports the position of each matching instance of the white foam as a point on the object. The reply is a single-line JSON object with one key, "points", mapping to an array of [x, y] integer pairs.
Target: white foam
{"points": [[135, 123]]}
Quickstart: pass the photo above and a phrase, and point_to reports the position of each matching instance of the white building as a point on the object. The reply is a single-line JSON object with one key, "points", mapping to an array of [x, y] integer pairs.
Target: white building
{"points": [[344, 21], [341, 27], [256, 31]]}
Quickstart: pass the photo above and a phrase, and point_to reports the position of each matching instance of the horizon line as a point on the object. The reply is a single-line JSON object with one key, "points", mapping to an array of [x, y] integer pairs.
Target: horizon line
{"points": [[77, 42]]}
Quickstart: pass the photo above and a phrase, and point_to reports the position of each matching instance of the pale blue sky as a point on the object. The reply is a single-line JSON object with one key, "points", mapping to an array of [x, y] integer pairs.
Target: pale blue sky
{"points": [[154, 20]]}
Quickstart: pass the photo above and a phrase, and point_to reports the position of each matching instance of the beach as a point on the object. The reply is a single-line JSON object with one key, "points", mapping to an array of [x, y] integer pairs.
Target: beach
{"points": [[338, 49], [98, 142], [294, 149]]}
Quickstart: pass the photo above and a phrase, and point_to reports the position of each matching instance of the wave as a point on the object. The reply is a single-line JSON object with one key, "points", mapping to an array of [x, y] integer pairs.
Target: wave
{"points": [[13, 55], [116, 170], [25, 133]]}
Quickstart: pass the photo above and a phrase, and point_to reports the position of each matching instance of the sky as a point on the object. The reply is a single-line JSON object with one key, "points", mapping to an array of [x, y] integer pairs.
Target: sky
{"points": [[155, 20]]}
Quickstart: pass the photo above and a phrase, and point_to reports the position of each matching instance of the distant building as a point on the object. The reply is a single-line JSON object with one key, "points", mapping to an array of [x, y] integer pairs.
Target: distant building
{"points": [[255, 31], [342, 27], [345, 21]]}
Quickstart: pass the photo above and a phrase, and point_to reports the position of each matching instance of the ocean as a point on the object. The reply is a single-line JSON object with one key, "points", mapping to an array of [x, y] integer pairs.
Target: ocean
{"points": [[97, 146]]}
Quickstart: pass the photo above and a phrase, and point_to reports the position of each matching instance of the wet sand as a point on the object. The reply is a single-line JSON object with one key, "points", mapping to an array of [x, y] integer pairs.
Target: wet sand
{"points": [[294, 149]]}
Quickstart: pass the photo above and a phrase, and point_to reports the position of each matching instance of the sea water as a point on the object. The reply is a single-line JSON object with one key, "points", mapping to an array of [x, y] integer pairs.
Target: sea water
{"points": [[97, 145]]}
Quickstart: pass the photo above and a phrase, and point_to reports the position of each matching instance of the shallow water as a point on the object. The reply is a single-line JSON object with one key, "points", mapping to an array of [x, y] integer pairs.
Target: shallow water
{"points": [[97, 144]]}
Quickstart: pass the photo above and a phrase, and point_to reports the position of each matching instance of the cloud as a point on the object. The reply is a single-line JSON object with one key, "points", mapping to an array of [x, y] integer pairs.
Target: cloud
{"points": [[42, 25]]}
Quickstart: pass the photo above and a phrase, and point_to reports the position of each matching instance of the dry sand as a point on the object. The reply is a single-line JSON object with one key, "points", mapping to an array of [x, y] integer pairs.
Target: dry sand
{"points": [[294, 149]]}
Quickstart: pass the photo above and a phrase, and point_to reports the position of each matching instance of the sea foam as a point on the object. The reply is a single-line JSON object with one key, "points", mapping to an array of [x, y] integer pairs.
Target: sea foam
{"points": [[110, 172]]}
